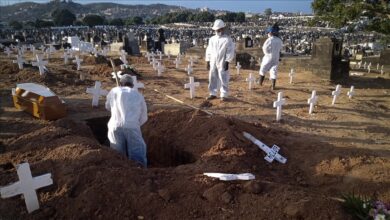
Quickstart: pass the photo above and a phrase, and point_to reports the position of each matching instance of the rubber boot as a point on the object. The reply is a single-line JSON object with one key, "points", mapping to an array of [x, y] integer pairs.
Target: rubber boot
{"points": [[273, 84], [261, 80]]}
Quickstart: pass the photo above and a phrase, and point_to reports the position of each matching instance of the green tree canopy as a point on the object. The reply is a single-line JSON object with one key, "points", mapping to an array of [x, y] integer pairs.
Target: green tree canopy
{"points": [[93, 20], [63, 17], [15, 25], [134, 21], [117, 22], [372, 15], [268, 12]]}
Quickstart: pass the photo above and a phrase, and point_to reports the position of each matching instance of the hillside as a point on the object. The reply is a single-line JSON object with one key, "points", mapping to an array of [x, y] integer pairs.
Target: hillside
{"points": [[31, 11]]}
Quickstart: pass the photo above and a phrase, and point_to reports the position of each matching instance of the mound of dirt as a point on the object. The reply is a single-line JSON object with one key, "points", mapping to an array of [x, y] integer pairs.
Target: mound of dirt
{"points": [[93, 180]]}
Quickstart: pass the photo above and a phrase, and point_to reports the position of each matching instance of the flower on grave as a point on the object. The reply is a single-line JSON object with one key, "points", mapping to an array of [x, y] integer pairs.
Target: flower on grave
{"points": [[365, 208]]}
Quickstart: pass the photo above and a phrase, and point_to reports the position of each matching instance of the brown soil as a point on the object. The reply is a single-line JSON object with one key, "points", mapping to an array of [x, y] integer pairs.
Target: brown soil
{"points": [[337, 150]]}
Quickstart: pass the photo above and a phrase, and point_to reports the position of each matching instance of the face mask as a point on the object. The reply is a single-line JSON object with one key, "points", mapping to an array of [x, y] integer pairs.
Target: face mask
{"points": [[218, 33]]}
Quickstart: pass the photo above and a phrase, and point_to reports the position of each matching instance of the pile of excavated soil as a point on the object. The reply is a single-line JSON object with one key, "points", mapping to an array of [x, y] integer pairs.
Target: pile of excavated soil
{"points": [[93, 180]]}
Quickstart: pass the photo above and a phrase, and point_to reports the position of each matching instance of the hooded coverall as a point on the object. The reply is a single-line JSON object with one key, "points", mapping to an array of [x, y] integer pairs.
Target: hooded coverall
{"points": [[219, 50], [128, 113], [271, 48]]}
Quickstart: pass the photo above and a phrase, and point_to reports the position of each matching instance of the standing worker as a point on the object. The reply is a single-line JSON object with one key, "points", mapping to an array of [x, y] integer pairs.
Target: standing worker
{"points": [[128, 114], [271, 49], [219, 53]]}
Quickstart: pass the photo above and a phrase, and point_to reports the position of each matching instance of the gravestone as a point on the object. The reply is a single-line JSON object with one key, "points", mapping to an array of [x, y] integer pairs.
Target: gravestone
{"points": [[384, 57], [326, 59]]}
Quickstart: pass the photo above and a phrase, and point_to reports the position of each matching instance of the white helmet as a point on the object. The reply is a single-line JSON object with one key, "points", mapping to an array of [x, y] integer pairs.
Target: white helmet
{"points": [[218, 24]]}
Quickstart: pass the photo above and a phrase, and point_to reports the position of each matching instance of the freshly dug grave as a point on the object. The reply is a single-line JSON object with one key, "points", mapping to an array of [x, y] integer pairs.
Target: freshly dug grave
{"points": [[93, 181]]}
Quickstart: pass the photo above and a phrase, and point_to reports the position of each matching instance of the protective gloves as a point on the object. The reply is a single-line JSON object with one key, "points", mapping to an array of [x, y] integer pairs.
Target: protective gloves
{"points": [[226, 66]]}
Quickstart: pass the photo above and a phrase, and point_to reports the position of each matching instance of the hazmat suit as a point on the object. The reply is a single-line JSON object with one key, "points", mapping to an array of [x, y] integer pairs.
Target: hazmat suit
{"points": [[219, 53], [128, 113], [271, 48]]}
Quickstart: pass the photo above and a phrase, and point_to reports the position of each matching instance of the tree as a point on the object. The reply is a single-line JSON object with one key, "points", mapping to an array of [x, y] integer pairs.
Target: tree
{"points": [[371, 15], [93, 20], [63, 17], [204, 16], [240, 17], [15, 25], [43, 24], [117, 22], [134, 21], [268, 12]]}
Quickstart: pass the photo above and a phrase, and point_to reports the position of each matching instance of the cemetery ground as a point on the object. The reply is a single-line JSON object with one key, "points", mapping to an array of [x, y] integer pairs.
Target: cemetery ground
{"points": [[339, 149]]}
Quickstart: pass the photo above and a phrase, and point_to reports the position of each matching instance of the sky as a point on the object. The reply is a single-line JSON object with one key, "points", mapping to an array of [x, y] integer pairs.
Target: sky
{"points": [[230, 5]]}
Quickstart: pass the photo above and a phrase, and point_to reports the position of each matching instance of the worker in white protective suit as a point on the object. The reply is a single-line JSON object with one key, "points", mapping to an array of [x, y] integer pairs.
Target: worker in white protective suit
{"points": [[128, 113], [271, 49], [219, 53]]}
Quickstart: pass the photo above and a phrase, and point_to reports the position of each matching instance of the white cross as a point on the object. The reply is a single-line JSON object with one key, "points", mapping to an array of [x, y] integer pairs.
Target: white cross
{"points": [[160, 55], [191, 60], [19, 60], [47, 52], [250, 80], [148, 55], [118, 73], [1, 46], [369, 67], [96, 92], [154, 63], [82, 76], [360, 64], [382, 70], [169, 54], [66, 57], [123, 57], [365, 65], [42, 48], [137, 84], [191, 85], [278, 105], [272, 153], [52, 49], [7, 51], [78, 62], [20, 51], [238, 67], [26, 186], [291, 75], [189, 69], [351, 92], [312, 101], [40, 64], [377, 66], [177, 62], [160, 69], [32, 48], [336, 93], [70, 52], [252, 60]]}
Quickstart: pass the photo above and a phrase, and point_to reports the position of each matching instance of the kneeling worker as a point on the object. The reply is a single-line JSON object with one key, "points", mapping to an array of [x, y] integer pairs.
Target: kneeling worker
{"points": [[128, 113]]}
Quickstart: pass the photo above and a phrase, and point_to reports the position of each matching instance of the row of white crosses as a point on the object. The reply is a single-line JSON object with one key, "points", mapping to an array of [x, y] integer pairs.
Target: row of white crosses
{"points": [[312, 101]]}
